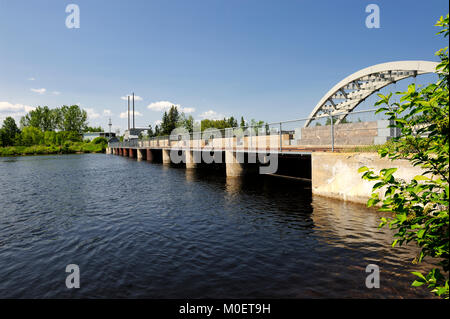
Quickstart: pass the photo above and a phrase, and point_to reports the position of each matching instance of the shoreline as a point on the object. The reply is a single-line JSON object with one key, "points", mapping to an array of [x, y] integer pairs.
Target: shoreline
{"points": [[16, 151], [44, 154]]}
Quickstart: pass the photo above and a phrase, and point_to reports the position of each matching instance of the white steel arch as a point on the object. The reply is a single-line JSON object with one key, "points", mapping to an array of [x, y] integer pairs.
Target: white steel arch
{"points": [[355, 88]]}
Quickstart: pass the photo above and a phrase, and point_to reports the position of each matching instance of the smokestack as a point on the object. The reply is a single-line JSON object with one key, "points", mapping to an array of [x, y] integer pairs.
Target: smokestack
{"points": [[133, 111], [128, 112]]}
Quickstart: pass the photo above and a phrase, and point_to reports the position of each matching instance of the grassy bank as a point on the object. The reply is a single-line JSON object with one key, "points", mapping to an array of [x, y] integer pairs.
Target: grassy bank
{"points": [[66, 148]]}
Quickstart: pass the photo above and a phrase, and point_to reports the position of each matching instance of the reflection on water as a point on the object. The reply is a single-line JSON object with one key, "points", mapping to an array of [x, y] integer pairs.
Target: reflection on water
{"points": [[138, 229]]}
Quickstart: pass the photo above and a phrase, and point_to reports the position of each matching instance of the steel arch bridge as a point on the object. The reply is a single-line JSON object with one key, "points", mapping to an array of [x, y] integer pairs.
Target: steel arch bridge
{"points": [[345, 96]]}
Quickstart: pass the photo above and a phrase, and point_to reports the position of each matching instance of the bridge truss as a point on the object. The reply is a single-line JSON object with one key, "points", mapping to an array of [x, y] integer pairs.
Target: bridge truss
{"points": [[345, 96]]}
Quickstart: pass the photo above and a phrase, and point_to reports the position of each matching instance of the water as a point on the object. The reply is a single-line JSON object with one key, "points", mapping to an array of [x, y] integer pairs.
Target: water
{"points": [[141, 230]]}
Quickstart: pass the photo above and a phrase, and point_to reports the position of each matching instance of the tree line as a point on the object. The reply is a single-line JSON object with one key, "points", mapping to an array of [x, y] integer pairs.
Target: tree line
{"points": [[45, 126], [173, 119]]}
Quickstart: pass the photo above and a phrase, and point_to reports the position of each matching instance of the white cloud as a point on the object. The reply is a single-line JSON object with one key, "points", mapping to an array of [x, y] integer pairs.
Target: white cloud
{"points": [[165, 105], [40, 91], [187, 109], [31, 79], [92, 114], [56, 93], [158, 122], [14, 110], [212, 115], [6, 107], [136, 97], [124, 115], [161, 105], [107, 112]]}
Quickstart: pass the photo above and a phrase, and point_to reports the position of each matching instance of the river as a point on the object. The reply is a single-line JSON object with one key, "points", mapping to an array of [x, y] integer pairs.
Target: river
{"points": [[144, 230]]}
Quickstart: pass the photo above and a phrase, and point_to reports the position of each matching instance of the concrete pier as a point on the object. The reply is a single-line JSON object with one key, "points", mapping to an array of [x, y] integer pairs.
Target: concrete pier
{"points": [[166, 156], [233, 167], [140, 154], [336, 175], [190, 160], [331, 174]]}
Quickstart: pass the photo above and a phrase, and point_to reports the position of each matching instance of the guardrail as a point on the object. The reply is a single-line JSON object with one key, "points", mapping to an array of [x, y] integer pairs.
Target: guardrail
{"points": [[326, 131]]}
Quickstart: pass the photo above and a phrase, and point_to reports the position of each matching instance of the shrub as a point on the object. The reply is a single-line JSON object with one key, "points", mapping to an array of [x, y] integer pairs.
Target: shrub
{"points": [[420, 206]]}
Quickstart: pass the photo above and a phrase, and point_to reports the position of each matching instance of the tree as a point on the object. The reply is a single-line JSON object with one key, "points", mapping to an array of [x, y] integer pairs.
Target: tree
{"points": [[420, 206], [157, 130], [170, 120], [256, 125], [187, 123], [2, 137], [31, 135], [150, 132], [242, 125], [9, 131], [93, 129], [218, 124], [232, 122], [42, 118], [73, 119]]}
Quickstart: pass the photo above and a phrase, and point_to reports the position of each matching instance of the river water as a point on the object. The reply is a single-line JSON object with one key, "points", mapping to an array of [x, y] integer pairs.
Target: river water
{"points": [[144, 230]]}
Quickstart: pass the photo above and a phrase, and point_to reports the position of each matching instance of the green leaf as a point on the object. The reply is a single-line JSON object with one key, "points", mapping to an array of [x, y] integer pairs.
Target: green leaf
{"points": [[421, 178], [363, 169], [419, 274], [394, 243], [417, 283], [373, 201]]}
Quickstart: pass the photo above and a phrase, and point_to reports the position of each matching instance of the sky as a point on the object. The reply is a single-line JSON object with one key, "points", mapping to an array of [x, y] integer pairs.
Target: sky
{"points": [[267, 60]]}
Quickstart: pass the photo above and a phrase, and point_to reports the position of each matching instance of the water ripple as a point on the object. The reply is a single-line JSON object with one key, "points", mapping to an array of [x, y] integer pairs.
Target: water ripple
{"points": [[140, 230]]}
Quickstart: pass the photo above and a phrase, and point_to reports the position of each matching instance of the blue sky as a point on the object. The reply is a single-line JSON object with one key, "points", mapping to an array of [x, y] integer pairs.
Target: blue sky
{"points": [[268, 60]]}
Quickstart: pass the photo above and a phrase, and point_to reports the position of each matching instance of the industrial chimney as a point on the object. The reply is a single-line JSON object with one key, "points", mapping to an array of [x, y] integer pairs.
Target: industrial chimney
{"points": [[133, 112]]}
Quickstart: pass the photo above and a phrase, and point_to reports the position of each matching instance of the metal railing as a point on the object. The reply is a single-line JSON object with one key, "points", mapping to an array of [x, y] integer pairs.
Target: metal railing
{"points": [[326, 131]]}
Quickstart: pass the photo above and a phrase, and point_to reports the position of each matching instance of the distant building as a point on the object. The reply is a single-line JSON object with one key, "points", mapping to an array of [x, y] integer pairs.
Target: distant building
{"points": [[113, 139], [133, 134], [91, 135]]}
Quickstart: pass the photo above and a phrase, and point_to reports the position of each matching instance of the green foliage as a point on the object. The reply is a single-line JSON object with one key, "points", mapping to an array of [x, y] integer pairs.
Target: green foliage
{"points": [[73, 119], [187, 123], [390, 145], [328, 121], [9, 132], [2, 138], [170, 120], [33, 142], [31, 136], [39, 135], [93, 129], [66, 118], [173, 119], [99, 140], [150, 132], [42, 118], [218, 124], [421, 205], [242, 123]]}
